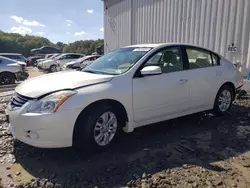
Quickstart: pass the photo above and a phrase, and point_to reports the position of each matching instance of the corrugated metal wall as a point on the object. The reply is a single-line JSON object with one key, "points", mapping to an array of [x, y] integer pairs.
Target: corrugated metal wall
{"points": [[117, 21], [214, 24]]}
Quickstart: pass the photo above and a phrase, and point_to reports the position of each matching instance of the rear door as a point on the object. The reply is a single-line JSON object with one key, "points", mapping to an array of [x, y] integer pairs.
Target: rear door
{"points": [[205, 77]]}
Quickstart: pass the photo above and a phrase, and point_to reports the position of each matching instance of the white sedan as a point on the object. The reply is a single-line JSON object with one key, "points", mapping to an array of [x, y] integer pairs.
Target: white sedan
{"points": [[127, 88]]}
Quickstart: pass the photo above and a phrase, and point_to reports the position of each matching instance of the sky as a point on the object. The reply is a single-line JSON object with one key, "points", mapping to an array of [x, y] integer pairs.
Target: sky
{"points": [[58, 20]]}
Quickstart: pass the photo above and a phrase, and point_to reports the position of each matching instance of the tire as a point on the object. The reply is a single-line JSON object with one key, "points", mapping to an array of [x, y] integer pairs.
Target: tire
{"points": [[7, 78], [89, 125], [52, 68], [224, 100]]}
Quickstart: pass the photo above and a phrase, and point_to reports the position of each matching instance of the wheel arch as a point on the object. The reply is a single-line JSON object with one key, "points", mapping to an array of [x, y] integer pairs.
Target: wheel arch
{"points": [[111, 102], [230, 84], [8, 72], [52, 65]]}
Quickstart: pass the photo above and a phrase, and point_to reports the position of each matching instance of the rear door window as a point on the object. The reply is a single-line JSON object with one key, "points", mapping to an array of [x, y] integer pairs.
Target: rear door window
{"points": [[199, 58]]}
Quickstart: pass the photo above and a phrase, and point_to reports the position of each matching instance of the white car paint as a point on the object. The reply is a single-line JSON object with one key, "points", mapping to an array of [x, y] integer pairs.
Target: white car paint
{"points": [[147, 99], [80, 63], [63, 59], [45, 65]]}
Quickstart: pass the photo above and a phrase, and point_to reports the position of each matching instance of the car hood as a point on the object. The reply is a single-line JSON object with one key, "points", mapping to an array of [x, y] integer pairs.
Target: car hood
{"points": [[41, 85]]}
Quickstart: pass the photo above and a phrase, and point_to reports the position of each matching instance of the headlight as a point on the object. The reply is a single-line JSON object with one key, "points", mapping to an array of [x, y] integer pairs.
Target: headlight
{"points": [[50, 103]]}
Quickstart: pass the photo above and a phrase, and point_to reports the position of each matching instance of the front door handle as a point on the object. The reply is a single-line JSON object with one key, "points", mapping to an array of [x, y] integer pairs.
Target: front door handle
{"points": [[183, 81]]}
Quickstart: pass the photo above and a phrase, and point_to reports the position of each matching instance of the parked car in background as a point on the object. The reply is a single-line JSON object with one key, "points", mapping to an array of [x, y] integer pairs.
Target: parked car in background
{"points": [[45, 50], [39, 61], [19, 58], [49, 55], [80, 63], [65, 58], [11, 71], [47, 58], [31, 60], [14, 56], [125, 89], [54, 64]]}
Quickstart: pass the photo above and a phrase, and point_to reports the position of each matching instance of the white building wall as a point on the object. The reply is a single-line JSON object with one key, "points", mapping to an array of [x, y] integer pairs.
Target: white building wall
{"points": [[214, 24]]}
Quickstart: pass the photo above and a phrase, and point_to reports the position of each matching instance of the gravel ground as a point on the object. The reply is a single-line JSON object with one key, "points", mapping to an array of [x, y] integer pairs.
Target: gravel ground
{"points": [[200, 150]]}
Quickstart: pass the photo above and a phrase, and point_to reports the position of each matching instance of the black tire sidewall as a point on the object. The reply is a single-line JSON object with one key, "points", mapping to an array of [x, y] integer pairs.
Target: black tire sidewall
{"points": [[4, 75], [217, 110], [51, 67], [84, 131]]}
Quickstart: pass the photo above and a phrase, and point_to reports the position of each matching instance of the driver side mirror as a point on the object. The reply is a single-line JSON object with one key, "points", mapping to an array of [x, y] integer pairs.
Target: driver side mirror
{"points": [[151, 70]]}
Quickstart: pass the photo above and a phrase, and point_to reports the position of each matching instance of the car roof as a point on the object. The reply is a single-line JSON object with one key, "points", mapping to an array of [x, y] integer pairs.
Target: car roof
{"points": [[6, 58], [155, 45], [10, 54]]}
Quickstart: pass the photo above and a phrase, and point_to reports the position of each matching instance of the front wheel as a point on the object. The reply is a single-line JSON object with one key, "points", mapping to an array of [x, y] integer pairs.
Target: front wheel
{"points": [[53, 68], [224, 100], [98, 129], [7, 78]]}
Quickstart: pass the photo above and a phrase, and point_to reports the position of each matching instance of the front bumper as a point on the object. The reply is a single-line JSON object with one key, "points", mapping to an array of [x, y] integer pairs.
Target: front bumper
{"points": [[43, 130], [20, 76]]}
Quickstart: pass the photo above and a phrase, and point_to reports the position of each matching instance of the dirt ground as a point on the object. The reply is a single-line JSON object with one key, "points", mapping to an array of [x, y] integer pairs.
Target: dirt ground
{"points": [[33, 72], [200, 150]]}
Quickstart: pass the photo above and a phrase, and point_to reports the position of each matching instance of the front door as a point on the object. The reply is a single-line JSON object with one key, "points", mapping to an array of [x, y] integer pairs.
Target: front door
{"points": [[161, 95]]}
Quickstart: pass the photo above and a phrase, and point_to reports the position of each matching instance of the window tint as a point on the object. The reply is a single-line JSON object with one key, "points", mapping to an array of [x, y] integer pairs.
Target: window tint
{"points": [[199, 58], [169, 60], [72, 56]]}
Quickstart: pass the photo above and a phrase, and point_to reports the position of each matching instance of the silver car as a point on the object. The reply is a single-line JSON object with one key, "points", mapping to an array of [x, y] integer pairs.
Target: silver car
{"points": [[11, 71]]}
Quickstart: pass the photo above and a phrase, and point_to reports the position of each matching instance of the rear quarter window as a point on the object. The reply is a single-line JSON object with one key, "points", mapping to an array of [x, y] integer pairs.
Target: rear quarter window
{"points": [[216, 59]]}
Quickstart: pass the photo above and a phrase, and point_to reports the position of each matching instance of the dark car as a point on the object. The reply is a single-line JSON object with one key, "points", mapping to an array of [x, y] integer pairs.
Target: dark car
{"points": [[31, 60], [45, 50]]}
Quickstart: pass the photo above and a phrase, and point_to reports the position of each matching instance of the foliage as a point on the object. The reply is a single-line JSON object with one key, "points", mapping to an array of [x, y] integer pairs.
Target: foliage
{"points": [[60, 45], [16, 43], [86, 47]]}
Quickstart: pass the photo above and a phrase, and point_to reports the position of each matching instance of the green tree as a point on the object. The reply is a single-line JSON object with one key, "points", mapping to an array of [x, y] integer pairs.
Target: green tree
{"points": [[16, 43], [86, 47]]}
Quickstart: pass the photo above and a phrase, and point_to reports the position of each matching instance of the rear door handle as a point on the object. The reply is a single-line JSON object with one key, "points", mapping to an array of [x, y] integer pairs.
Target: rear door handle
{"points": [[183, 81]]}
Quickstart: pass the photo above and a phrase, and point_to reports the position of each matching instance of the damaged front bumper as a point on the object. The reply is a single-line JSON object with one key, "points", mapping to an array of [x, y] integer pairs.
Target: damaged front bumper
{"points": [[20, 76]]}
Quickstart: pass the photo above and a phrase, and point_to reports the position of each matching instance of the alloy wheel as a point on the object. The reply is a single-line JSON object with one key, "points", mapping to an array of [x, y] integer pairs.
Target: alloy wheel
{"points": [[105, 128]]}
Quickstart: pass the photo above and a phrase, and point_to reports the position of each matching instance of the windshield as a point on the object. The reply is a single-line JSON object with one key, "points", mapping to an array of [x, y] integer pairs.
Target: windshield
{"points": [[118, 61]]}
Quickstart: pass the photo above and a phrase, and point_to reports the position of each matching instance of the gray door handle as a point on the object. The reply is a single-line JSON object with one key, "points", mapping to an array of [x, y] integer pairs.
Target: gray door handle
{"points": [[183, 81]]}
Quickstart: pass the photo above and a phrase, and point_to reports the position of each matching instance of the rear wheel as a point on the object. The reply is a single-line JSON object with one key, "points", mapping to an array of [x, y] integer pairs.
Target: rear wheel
{"points": [[98, 129], [224, 100], [53, 68], [7, 78]]}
